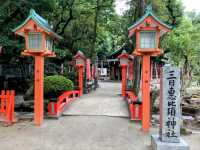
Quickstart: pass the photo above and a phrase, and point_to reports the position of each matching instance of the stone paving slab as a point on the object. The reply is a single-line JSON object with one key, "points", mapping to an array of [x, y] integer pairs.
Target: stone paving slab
{"points": [[105, 101]]}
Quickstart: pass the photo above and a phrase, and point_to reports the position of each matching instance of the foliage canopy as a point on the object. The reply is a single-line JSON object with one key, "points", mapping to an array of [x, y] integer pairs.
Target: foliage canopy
{"points": [[94, 27]]}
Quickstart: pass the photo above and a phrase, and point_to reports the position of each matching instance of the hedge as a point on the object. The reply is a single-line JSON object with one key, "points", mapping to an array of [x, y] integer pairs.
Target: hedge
{"points": [[56, 84]]}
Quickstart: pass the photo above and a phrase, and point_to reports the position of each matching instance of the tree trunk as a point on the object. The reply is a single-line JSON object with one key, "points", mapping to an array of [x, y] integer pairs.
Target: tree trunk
{"points": [[137, 60], [95, 29], [185, 76], [142, 6]]}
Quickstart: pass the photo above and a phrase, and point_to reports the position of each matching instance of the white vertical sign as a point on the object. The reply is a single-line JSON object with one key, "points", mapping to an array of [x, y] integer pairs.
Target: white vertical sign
{"points": [[170, 105]]}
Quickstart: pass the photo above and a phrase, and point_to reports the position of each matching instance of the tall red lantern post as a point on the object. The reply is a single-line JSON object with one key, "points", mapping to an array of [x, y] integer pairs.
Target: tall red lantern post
{"points": [[39, 39], [124, 61], [80, 64], [147, 31]]}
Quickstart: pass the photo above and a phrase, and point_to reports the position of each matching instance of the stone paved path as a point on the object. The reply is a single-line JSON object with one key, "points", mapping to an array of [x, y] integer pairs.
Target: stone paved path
{"points": [[105, 101], [87, 129]]}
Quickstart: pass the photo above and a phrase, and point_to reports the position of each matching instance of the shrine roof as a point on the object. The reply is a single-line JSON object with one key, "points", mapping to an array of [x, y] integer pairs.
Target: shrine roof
{"points": [[117, 52], [40, 21], [149, 12], [124, 54], [79, 54]]}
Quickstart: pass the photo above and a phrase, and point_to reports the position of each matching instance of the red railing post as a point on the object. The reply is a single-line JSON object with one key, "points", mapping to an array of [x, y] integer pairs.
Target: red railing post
{"points": [[2, 101], [7, 106], [12, 96], [7, 101], [135, 107]]}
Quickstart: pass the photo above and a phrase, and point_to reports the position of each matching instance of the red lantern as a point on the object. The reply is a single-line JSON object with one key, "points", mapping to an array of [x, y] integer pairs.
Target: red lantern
{"points": [[39, 38], [147, 32]]}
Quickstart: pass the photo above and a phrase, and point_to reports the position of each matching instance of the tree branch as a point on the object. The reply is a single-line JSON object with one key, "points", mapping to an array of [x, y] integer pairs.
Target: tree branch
{"points": [[67, 22], [9, 18], [58, 27], [171, 11]]}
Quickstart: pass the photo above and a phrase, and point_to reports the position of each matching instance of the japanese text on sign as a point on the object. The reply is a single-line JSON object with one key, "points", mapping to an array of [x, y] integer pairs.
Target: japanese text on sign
{"points": [[170, 104]]}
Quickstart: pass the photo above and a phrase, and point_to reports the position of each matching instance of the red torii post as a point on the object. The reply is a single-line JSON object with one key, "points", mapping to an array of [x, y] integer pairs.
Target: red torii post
{"points": [[80, 63], [38, 43], [124, 65], [148, 31]]}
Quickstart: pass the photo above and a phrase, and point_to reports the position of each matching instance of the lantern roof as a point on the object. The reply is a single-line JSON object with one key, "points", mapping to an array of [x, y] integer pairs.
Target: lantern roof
{"points": [[40, 21], [124, 55], [149, 14], [80, 54]]}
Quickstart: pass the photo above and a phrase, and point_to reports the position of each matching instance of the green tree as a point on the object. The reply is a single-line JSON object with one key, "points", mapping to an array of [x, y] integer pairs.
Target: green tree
{"points": [[183, 49]]}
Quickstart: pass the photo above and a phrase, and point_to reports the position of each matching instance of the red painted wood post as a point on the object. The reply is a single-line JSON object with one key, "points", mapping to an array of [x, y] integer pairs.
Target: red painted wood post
{"points": [[131, 70], [80, 63], [38, 90], [124, 78], [7, 100], [124, 62], [146, 93], [131, 108], [12, 105], [88, 69], [2, 101], [80, 69]]}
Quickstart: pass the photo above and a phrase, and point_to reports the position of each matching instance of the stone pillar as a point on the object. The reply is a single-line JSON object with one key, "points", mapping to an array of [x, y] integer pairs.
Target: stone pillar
{"points": [[170, 105], [170, 112]]}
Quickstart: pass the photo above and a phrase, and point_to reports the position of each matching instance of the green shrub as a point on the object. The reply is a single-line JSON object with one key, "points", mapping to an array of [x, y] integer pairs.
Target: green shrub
{"points": [[54, 85]]}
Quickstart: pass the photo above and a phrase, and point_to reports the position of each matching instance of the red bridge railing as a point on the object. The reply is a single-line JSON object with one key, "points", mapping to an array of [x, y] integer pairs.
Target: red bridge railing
{"points": [[135, 106], [55, 109], [7, 104]]}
